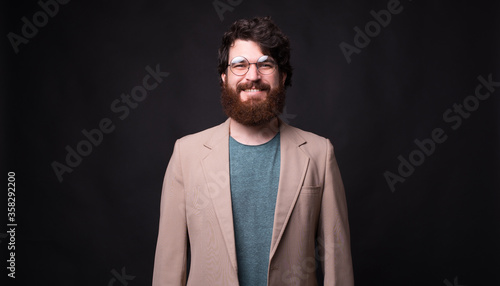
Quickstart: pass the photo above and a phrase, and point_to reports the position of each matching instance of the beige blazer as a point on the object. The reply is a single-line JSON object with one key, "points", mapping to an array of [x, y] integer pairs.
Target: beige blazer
{"points": [[196, 213]]}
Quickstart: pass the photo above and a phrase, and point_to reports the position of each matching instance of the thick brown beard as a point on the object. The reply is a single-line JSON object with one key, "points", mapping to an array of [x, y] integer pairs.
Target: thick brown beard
{"points": [[253, 112]]}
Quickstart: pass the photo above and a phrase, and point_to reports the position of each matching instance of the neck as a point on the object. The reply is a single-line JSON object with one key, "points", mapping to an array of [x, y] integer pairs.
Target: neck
{"points": [[253, 135]]}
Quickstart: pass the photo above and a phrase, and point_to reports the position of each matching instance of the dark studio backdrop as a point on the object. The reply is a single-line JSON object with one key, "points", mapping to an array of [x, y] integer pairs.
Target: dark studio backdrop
{"points": [[408, 94]]}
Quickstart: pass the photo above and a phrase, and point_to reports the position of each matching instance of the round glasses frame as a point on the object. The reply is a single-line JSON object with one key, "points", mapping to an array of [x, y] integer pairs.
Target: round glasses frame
{"points": [[240, 65]]}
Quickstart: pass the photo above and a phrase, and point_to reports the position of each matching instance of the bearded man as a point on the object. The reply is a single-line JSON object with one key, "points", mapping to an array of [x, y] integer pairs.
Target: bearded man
{"points": [[253, 201]]}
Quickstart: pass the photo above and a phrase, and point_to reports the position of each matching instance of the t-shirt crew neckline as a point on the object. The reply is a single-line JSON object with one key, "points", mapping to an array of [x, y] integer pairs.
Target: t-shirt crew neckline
{"points": [[263, 144]]}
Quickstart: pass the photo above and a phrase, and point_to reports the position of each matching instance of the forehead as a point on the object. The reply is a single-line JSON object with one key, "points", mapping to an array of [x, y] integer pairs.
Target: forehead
{"points": [[247, 49]]}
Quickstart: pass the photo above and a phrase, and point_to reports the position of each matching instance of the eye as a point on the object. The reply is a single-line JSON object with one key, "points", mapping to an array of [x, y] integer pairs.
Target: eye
{"points": [[266, 65], [239, 66]]}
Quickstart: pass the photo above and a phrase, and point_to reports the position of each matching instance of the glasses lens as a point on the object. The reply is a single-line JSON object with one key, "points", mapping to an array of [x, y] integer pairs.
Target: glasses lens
{"points": [[239, 66], [266, 65]]}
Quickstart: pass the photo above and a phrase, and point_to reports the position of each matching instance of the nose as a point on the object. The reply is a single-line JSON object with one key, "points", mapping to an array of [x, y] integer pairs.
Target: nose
{"points": [[252, 74]]}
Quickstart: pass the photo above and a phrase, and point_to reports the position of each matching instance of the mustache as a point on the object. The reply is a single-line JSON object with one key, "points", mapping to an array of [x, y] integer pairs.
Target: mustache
{"points": [[249, 85]]}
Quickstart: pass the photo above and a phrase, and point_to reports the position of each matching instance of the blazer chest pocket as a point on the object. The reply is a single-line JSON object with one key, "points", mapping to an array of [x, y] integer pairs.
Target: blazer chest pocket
{"points": [[310, 190]]}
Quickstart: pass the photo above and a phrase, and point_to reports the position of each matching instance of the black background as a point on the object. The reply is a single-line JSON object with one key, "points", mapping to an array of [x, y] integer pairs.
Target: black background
{"points": [[440, 226]]}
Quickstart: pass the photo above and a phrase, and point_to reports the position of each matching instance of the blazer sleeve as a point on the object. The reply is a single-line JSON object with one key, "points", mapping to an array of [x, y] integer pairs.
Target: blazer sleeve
{"points": [[333, 230], [171, 247]]}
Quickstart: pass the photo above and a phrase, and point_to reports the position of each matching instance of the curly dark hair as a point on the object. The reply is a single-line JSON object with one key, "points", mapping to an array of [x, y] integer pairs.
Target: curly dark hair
{"points": [[267, 35]]}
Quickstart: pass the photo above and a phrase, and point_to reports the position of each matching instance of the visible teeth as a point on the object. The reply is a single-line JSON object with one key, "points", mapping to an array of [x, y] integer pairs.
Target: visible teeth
{"points": [[252, 90]]}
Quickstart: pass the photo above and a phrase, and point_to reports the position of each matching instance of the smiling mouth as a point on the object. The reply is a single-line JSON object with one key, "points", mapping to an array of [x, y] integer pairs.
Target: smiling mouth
{"points": [[252, 90]]}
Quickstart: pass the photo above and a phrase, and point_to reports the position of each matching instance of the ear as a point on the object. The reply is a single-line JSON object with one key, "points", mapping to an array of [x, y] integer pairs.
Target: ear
{"points": [[283, 78], [223, 77]]}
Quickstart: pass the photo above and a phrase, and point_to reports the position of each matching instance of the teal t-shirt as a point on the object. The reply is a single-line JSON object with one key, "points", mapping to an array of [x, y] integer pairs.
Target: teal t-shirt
{"points": [[254, 173]]}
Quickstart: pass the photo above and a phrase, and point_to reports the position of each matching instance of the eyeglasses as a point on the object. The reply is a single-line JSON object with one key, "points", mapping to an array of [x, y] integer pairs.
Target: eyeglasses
{"points": [[240, 65]]}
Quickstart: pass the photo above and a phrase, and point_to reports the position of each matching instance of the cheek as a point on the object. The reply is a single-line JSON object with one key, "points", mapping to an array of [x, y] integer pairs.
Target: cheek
{"points": [[233, 82], [275, 82]]}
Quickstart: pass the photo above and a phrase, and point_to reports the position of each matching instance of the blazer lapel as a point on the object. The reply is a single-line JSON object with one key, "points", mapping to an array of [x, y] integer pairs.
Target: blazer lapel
{"points": [[216, 171], [294, 163]]}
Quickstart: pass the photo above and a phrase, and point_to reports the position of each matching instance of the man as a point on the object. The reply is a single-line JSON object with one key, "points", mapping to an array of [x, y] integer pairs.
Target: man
{"points": [[253, 201]]}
